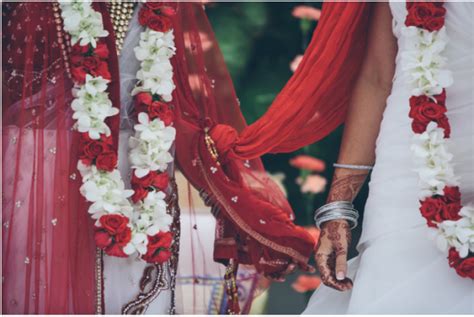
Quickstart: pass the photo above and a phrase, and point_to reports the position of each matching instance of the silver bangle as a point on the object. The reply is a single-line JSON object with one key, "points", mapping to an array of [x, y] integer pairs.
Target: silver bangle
{"points": [[336, 210], [353, 222], [354, 167]]}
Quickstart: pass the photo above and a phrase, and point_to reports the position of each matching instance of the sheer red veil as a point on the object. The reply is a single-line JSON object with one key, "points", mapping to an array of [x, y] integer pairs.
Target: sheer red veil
{"points": [[219, 153]]}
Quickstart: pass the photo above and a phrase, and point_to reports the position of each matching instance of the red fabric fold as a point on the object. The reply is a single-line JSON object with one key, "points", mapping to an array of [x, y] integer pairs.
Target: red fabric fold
{"points": [[254, 220]]}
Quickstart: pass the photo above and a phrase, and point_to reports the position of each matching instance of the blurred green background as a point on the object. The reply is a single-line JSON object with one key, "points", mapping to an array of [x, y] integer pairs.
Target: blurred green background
{"points": [[259, 41]]}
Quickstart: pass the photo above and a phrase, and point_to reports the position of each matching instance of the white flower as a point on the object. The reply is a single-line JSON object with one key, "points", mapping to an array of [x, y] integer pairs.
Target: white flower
{"points": [[82, 22], [458, 234], [154, 130], [155, 45], [92, 106], [152, 217], [432, 161], [150, 146], [157, 77], [105, 190], [421, 59], [138, 244]]}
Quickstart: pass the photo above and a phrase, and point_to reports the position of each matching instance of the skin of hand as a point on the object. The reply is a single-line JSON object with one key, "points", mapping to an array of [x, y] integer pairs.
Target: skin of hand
{"points": [[361, 129]]}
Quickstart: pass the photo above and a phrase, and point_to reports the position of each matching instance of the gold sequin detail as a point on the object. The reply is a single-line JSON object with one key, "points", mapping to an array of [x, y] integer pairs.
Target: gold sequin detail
{"points": [[121, 13]]}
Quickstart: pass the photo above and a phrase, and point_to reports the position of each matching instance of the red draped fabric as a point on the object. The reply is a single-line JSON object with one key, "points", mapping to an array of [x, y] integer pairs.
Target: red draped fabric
{"points": [[219, 153], [48, 251]]}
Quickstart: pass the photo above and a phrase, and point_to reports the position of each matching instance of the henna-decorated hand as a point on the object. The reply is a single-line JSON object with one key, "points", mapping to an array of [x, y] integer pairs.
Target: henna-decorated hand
{"points": [[331, 254]]}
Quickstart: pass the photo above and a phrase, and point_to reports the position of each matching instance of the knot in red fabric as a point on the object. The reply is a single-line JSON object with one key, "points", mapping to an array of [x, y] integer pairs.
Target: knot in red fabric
{"points": [[225, 137]]}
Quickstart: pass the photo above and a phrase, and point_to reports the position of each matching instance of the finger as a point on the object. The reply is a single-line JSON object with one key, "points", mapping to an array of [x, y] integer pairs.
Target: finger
{"points": [[341, 266], [328, 277]]}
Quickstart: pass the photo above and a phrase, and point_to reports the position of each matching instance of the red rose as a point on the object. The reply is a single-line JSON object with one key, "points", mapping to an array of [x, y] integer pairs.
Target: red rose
{"points": [[158, 248], [113, 235], [160, 240], [452, 194], [79, 74], [102, 69], [421, 11], [144, 98], [431, 210], [152, 179], [426, 112], [444, 124], [139, 193], [115, 250], [101, 50], [161, 110], [464, 267], [416, 101], [90, 149], [144, 15], [451, 211], [91, 62], [114, 223], [106, 161], [159, 23], [434, 24], [425, 15], [77, 49], [418, 126], [102, 239], [441, 98]]}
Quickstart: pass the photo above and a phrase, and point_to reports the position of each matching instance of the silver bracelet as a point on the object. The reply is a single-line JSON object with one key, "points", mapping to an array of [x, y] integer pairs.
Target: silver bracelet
{"points": [[333, 205], [336, 210], [353, 167], [353, 222]]}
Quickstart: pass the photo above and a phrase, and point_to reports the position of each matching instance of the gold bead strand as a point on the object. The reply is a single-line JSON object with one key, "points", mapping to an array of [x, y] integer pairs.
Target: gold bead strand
{"points": [[121, 13]]}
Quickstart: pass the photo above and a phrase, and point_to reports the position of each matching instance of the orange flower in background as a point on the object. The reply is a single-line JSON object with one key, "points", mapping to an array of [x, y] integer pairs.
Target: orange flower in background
{"points": [[295, 62], [314, 184], [306, 283], [306, 12], [307, 162]]}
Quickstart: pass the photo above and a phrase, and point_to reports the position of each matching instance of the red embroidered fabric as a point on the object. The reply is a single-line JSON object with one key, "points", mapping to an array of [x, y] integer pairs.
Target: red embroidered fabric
{"points": [[254, 219], [48, 252]]}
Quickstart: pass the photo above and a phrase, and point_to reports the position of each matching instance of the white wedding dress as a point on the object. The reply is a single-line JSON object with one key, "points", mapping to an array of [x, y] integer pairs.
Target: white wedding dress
{"points": [[399, 269]]}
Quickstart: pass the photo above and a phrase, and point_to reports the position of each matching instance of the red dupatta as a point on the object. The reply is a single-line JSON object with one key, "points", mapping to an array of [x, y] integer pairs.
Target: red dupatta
{"points": [[219, 153]]}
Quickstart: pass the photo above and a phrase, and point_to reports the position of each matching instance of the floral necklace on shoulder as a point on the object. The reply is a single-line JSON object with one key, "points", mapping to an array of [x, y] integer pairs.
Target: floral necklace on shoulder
{"points": [[134, 221], [440, 197]]}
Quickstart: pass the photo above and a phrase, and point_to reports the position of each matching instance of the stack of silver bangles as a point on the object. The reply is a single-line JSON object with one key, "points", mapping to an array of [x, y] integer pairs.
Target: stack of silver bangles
{"points": [[336, 210]]}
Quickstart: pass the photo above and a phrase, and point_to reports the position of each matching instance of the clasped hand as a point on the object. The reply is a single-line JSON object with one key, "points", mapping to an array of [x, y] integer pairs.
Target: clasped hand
{"points": [[331, 254]]}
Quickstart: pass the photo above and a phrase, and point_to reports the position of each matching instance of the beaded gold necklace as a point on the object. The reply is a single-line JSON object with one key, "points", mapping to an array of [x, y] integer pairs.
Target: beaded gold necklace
{"points": [[121, 13]]}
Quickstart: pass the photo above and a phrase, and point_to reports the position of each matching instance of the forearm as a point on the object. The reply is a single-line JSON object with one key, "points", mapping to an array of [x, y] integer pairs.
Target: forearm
{"points": [[366, 109]]}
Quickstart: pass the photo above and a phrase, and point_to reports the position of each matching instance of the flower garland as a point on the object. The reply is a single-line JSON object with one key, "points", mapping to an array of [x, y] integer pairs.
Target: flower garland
{"points": [[440, 198], [127, 221]]}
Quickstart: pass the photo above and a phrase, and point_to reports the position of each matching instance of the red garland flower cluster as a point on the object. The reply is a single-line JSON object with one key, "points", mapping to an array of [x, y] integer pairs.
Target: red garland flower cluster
{"points": [[423, 110], [114, 234], [156, 16], [426, 15], [464, 267], [439, 208], [100, 153], [89, 60], [141, 186], [159, 248], [144, 102]]}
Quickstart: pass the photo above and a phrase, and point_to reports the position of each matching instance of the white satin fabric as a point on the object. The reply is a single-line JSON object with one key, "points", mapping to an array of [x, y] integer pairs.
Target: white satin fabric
{"points": [[122, 276], [399, 269]]}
